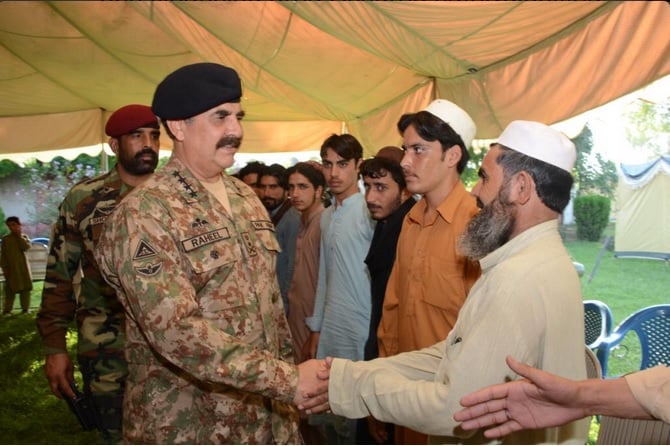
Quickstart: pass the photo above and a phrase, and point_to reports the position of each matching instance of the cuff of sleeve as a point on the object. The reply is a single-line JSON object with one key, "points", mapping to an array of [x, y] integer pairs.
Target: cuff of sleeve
{"points": [[339, 396], [313, 323], [646, 386], [286, 377]]}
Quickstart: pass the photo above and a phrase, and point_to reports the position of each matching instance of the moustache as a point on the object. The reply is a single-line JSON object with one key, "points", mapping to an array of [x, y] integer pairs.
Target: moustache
{"points": [[146, 151], [232, 141]]}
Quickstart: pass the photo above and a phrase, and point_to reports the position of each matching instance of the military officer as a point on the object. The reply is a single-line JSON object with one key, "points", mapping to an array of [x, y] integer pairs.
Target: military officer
{"points": [[134, 137], [192, 256]]}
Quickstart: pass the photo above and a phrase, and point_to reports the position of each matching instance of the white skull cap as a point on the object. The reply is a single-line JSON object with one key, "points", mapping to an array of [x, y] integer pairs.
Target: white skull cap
{"points": [[456, 117], [541, 142]]}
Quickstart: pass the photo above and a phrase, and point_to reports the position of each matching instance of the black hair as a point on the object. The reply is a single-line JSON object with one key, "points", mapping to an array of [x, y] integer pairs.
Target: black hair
{"points": [[552, 183], [379, 167], [432, 128], [166, 128], [251, 167], [13, 219], [346, 146], [314, 175], [275, 170]]}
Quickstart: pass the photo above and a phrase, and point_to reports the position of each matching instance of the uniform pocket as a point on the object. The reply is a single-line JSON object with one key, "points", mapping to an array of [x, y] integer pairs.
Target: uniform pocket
{"points": [[212, 258], [268, 240]]}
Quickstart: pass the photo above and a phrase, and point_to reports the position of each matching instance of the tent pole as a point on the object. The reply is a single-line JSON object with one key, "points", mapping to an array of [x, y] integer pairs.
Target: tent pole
{"points": [[104, 160]]}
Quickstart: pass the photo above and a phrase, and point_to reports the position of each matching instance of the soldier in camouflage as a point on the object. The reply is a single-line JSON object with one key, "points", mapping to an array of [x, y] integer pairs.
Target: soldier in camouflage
{"points": [[192, 255], [134, 138]]}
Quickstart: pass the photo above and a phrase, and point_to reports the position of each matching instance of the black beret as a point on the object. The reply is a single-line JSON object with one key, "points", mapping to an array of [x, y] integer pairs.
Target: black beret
{"points": [[130, 118], [193, 89]]}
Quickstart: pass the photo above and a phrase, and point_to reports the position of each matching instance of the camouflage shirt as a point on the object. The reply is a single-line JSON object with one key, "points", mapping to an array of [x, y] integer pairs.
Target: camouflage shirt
{"points": [[100, 317], [208, 345]]}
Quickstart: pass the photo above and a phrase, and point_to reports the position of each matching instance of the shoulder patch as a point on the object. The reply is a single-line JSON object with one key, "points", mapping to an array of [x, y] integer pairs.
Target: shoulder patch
{"points": [[144, 250], [149, 269]]}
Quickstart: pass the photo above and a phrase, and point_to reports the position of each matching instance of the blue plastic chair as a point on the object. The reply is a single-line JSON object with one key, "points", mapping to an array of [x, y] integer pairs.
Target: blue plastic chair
{"points": [[652, 326], [597, 323]]}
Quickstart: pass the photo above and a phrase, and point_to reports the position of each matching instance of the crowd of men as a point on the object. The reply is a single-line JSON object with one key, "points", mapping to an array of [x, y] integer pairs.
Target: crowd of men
{"points": [[346, 301]]}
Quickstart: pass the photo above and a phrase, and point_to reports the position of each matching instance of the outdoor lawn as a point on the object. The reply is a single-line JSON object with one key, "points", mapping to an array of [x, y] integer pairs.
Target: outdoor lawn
{"points": [[29, 414]]}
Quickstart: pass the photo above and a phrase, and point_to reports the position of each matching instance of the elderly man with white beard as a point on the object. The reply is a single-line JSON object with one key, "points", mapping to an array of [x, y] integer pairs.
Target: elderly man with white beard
{"points": [[527, 303]]}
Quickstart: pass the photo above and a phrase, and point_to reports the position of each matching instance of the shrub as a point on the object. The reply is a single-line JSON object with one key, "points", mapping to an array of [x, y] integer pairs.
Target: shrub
{"points": [[4, 230], [592, 213]]}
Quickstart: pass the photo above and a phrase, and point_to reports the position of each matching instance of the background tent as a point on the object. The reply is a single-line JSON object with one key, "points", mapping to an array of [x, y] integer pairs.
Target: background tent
{"points": [[310, 69], [643, 218]]}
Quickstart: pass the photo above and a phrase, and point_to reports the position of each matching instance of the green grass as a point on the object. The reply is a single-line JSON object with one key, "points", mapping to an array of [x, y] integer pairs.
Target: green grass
{"points": [[30, 414], [625, 285]]}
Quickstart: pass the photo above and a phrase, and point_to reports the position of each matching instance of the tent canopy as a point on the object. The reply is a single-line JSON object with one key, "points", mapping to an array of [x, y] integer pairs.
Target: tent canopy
{"points": [[310, 69]]}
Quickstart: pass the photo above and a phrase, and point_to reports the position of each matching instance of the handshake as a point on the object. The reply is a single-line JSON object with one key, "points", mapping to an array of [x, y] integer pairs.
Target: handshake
{"points": [[311, 396]]}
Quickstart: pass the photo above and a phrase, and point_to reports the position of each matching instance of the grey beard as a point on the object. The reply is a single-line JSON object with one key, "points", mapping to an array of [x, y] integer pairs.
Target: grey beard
{"points": [[487, 231]]}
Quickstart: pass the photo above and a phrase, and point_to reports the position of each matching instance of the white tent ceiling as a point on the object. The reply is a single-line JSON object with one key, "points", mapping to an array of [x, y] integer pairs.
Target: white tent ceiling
{"points": [[310, 69]]}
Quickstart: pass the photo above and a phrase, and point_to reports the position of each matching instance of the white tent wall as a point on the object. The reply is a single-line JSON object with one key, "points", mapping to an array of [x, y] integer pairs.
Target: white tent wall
{"points": [[314, 68], [643, 215]]}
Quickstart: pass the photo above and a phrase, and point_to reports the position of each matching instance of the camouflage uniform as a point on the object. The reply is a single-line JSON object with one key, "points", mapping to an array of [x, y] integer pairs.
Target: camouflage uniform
{"points": [[208, 348], [100, 316]]}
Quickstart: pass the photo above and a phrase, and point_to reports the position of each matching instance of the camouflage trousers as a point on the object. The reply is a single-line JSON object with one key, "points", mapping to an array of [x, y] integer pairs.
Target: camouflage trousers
{"points": [[104, 382]]}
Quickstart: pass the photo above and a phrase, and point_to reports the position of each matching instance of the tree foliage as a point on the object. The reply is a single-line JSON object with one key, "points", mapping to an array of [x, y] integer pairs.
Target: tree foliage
{"points": [[7, 168], [4, 230], [46, 183], [470, 173], [593, 174], [649, 128]]}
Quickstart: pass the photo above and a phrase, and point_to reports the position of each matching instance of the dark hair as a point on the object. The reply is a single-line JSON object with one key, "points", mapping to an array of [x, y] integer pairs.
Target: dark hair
{"points": [[13, 219], [314, 175], [380, 167], [163, 123], [552, 183], [346, 145], [275, 170], [251, 167], [432, 128]]}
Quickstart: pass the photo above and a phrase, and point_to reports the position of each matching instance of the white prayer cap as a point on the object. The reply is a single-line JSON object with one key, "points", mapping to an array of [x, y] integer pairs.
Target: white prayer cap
{"points": [[456, 117], [541, 142]]}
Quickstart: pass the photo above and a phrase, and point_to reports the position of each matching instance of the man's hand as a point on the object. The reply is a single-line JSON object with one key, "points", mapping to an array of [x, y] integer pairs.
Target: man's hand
{"points": [[540, 400], [60, 373], [312, 394]]}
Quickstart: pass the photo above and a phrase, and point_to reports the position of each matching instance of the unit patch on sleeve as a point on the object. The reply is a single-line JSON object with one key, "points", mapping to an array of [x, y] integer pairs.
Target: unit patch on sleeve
{"points": [[149, 269], [100, 214], [144, 250]]}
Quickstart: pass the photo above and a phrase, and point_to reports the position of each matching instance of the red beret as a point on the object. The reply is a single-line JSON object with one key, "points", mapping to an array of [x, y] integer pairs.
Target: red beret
{"points": [[130, 118]]}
